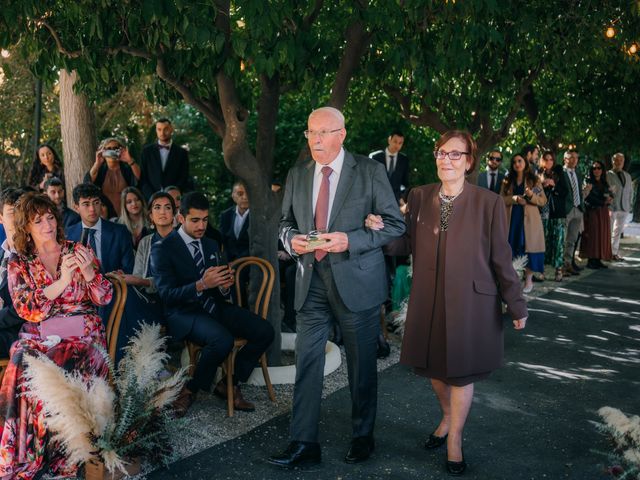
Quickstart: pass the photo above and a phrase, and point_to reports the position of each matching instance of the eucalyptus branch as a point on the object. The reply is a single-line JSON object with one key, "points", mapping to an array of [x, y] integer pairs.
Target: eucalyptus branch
{"points": [[56, 39]]}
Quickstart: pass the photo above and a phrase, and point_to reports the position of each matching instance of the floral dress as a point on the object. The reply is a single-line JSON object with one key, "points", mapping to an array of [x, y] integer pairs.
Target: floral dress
{"points": [[24, 446]]}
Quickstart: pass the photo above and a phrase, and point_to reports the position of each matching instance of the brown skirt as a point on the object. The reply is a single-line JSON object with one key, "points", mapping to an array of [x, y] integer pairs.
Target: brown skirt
{"points": [[596, 237]]}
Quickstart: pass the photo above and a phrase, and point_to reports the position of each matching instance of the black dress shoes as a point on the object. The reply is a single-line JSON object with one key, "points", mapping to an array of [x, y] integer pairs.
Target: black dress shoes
{"points": [[434, 441], [298, 454], [361, 449], [456, 469]]}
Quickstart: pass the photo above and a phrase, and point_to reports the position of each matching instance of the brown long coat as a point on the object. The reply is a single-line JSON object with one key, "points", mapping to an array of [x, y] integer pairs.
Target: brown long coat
{"points": [[533, 229], [478, 275]]}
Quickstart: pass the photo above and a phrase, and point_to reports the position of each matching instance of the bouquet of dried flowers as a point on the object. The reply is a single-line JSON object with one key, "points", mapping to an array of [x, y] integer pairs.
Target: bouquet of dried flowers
{"points": [[111, 422], [625, 435]]}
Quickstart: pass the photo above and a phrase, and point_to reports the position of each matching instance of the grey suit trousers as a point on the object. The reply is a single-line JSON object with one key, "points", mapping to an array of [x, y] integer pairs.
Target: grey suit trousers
{"points": [[360, 334]]}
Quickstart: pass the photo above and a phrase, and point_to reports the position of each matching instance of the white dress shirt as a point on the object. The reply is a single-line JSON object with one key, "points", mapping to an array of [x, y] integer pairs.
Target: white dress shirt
{"points": [[387, 157], [188, 239], [334, 178], [97, 236], [238, 221], [164, 154]]}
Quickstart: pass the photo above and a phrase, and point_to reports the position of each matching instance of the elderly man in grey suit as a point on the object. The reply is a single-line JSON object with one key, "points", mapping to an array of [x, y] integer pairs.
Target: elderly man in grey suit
{"points": [[620, 183], [575, 209], [341, 275]]}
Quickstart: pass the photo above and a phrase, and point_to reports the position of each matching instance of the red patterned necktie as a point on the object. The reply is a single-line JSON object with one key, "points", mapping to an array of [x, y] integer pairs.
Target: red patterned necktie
{"points": [[322, 207]]}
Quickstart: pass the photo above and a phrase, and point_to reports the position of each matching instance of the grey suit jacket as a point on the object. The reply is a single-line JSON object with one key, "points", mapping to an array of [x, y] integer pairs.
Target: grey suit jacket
{"points": [[363, 188], [569, 199], [482, 181], [621, 195]]}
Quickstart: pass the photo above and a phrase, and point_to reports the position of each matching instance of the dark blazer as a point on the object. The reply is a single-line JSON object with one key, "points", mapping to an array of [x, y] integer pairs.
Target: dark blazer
{"points": [[363, 188], [175, 275], [399, 178], [557, 195], [234, 247], [176, 172], [569, 198], [483, 181], [478, 276], [10, 322], [69, 217], [115, 244], [127, 174]]}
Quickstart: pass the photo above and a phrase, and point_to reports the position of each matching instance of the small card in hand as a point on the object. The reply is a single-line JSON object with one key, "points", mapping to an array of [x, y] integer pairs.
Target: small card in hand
{"points": [[313, 237]]}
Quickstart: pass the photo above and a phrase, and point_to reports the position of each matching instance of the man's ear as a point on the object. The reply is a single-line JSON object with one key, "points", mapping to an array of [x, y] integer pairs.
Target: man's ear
{"points": [[180, 218]]}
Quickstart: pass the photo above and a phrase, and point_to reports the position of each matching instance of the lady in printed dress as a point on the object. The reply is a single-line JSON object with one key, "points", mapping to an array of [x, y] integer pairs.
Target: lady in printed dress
{"points": [[55, 286]]}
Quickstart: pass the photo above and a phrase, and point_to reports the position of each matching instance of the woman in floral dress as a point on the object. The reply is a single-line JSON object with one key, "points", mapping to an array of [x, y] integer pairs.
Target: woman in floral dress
{"points": [[55, 286]]}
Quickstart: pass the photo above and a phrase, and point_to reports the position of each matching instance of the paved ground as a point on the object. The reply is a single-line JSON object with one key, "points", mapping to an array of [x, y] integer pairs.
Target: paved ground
{"points": [[533, 419]]}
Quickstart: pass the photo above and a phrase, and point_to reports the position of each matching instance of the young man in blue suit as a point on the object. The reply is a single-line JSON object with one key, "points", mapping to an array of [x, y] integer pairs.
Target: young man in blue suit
{"points": [[492, 178], [194, 283]]}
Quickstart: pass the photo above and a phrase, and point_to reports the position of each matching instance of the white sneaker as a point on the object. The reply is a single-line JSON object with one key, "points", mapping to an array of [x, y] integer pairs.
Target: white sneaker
{"points": [[527, 288]]}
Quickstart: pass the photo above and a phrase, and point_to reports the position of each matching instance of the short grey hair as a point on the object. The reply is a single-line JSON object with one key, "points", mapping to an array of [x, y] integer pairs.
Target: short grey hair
{"points": [[618, 154], [332, 111]]}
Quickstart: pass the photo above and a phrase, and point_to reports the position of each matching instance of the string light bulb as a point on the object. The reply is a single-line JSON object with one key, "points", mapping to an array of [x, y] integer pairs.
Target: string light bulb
{"points": [[633, 48], [610, 32]]}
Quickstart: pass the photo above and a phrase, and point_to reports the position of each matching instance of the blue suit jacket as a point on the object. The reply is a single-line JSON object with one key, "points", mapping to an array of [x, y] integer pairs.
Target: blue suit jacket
{"points": [[482, 180], [116, 245], [175, 275]]}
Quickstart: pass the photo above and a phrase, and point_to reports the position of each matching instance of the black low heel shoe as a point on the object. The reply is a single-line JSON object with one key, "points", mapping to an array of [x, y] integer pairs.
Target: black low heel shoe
{"points": [[456, 469], [435, 442]]}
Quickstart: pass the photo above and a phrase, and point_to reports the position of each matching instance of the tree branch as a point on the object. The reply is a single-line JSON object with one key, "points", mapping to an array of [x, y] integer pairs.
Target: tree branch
{"points": [[56, 38], [309, 19], [267, 117]]}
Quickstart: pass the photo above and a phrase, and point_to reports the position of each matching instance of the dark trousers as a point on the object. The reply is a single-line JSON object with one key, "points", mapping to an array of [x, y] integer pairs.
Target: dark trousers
{"points": [[215, 333], [8, 335], [359, 333]]}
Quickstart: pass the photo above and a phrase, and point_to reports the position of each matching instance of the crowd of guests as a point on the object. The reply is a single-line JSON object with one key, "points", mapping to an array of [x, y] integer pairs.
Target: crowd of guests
{"points": [[556, 213], [144, 224]]}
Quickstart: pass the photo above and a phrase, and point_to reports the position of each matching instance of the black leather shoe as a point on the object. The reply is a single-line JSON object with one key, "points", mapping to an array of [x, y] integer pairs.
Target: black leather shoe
{"points": [[361, 449], [297, 454], [456, 468], [435, 442], [576, 267]]}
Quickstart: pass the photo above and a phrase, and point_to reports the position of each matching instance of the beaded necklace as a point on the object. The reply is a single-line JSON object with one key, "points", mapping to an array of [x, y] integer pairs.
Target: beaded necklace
{"points": [[446, 208]]}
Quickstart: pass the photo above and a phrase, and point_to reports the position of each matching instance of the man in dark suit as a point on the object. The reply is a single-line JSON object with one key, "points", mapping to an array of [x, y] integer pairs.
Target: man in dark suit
{"points": [[111, 242], [54, 188], [234, 224], [396, 163], [492, 178], [195, 286], [341, 275], [10, 322], [575, 209], [163, 163]]}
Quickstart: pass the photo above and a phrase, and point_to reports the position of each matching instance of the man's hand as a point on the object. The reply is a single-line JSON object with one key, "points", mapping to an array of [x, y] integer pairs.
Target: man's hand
{"points": [[338, 242], [299, 244], [374, 222], [221, 276]]}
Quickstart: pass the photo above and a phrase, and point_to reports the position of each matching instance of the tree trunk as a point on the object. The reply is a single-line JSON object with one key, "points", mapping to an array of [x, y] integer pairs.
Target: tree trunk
{"points": [[78, 126]]}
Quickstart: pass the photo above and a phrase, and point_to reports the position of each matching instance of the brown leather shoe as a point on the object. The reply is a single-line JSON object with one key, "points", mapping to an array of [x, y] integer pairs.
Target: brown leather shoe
{"points": [[239, 403], [183, 402]]}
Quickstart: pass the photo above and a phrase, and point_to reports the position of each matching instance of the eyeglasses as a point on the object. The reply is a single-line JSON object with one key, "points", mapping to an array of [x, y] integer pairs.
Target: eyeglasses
{"points": [[495, 159], [319, 133], [454, 155]]}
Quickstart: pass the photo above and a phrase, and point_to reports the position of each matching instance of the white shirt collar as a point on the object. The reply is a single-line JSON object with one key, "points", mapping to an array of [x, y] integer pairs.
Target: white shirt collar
{"points": [[5, 246], [188, 239], [97, 227], [336, 164], [242, 215]]}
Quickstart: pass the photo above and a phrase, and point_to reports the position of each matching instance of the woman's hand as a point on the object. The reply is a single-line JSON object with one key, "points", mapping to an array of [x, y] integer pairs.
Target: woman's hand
{"points": [[521, 200], [69, 265], [99, 159], [520, 324], [374, 222], [84, 260], [125, 156]]}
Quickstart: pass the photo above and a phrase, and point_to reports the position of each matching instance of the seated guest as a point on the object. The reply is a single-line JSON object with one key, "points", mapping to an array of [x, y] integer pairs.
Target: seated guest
{"points": [[194, 285], [162, 211], [55, 286], [234, 224], [55, 191], [107, 212], [113, 170], [176, 193], [10, 322], [46, 164], [133, 214], [110, 242]]}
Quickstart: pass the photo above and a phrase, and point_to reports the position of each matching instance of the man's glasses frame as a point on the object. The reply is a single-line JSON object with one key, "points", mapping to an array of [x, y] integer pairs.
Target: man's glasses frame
{"points": [[495, 159], [320, 133]]}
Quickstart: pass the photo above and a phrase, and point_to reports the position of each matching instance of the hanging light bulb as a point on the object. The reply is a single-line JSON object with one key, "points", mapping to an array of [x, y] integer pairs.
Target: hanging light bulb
{"points": [[633, 48], [610, 32]]}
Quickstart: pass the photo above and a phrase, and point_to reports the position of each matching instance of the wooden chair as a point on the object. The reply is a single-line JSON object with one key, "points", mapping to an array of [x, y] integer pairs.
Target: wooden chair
{"points": [[261, 308], [115, 317], [3, 366]]}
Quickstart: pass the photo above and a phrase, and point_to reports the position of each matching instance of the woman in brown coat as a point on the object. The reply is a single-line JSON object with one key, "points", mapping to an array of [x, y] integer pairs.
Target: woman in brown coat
{"points": [[457, 233]]}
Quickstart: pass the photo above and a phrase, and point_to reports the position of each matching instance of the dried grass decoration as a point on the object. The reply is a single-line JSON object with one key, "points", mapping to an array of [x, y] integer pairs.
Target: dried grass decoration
{"points": [[95, 421]]}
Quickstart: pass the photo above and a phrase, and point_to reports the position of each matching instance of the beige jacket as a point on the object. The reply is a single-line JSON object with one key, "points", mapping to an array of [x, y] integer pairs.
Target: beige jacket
{"points": [[533, 230]]}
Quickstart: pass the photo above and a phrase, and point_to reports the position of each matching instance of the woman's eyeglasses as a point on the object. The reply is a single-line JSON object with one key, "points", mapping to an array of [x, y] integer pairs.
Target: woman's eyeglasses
{"points": [[454, 155]]}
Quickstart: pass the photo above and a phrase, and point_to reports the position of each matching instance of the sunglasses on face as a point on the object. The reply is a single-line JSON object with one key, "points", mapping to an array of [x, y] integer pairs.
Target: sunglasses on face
{"points": [[495, 159]]}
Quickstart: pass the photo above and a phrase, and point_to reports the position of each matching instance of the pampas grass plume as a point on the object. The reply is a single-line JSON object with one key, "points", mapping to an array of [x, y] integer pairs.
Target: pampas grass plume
{"points": [[144, 355], [169, 389]]}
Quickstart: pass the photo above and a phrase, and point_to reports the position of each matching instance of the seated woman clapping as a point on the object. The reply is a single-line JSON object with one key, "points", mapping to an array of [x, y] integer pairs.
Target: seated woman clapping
{"points": [[55, 286]]}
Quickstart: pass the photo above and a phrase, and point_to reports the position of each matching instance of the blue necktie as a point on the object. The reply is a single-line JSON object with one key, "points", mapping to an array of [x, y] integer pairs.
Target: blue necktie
{"points": [[90, 233], [209, 305]]}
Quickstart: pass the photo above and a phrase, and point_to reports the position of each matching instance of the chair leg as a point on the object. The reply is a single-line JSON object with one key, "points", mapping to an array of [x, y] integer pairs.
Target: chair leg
{"points": [[383, 323], [193, 350], [230, 367], [267, 378]]}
